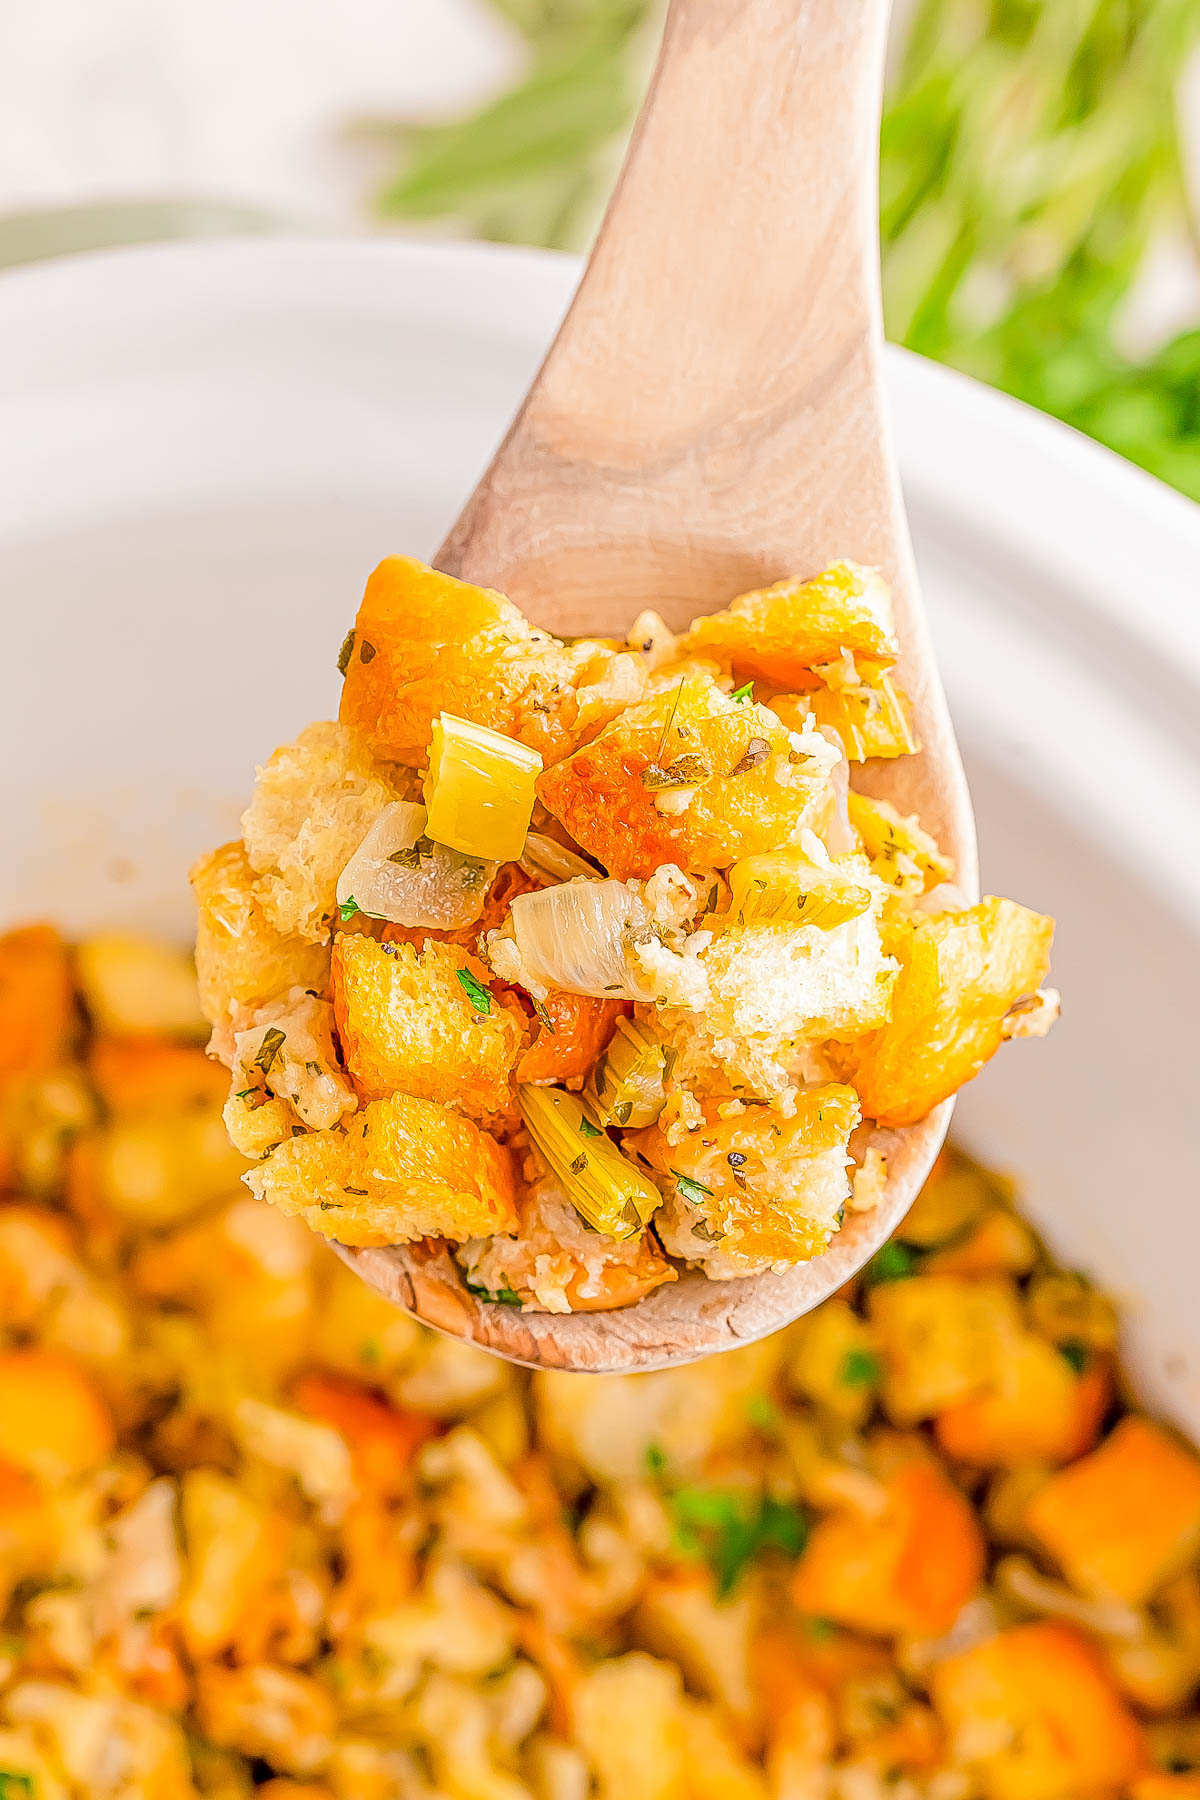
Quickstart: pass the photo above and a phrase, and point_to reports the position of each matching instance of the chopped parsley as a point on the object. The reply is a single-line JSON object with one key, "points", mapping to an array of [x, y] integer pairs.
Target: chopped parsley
{"points": [[860, 1368], [268, 1051], [348, 908], [503, 1296], [479, 996], [745, 692], [346, 652], [656, 1461], [893, 1261], [587, 1129], [544, 1015], [370, 1352], [763, 1413], [1075, 1353], [729, 1530], [690, 1188]]}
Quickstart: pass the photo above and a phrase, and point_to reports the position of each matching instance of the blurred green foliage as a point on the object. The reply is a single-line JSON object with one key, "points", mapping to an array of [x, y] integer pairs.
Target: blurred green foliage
{"points": [[1030, 154]]}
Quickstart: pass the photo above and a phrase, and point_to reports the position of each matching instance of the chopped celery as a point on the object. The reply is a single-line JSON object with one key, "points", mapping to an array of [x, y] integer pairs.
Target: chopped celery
{"points": [[900, 851], [785, 887], [870, 717], [627, 1086], [603, 1186], [479, 789]]}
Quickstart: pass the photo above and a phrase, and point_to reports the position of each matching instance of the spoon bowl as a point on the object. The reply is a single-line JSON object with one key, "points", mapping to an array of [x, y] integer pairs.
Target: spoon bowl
{"points": [[710, 419]]}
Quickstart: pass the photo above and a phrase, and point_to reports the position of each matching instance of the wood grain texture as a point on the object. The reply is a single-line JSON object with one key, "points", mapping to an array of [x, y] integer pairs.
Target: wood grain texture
{"points": [[709, 419]]}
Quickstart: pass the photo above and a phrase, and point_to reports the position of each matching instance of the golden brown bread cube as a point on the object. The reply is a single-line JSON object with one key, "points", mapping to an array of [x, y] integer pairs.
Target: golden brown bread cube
{"points": [[404, 1168], [749, 784], [408, 1025], [782, 633], [241, 959], [424, 643], [961, 973], [757, 1187]]}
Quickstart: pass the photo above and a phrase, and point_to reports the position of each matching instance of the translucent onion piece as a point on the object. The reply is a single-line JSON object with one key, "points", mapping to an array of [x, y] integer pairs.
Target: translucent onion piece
{"points": [[603, 1186], [627, 1087], [785, 887], [547, 860], [575, 936], [398, 873], [479, 789], [839, 835], [901, 852]]}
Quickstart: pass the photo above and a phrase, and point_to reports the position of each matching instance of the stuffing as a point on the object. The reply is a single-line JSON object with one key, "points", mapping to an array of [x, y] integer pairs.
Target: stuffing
{"points": [[425, 1022], [689, 777], [784, 634], [241, 958], [961, 974], [263, 1534], [555, 1263], [314, 802], [755, 1190], [402, 1168], [424, 643]]}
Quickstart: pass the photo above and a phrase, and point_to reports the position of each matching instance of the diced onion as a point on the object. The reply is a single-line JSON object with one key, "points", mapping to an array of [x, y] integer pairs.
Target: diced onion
{"points": [[607, 1191], [398, 873], [547, 860], [785, 887], [839, 835], [575, 936], [627, 1087], [479, 789]]}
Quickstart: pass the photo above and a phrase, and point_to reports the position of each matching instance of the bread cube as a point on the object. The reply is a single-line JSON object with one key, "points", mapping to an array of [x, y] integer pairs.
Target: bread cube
{"points": [[135, 1076], [1036, 1409], [961, 973], [314, 802], [911, 1569], [803, 984], [53, 1421], [1035, 1716], [37, 1003], [756, 1189], [941, 1339], [161, 1169], [1126, 1518], [424, 643], [781, 634], [241, 958], [408, 1025], [901, 853], [404, 1168], [138, 987], [833, 1360], [689, 777]]}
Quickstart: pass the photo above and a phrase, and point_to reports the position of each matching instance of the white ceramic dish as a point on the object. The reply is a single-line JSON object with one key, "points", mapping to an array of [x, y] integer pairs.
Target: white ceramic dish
{"points": [[204, 449]]}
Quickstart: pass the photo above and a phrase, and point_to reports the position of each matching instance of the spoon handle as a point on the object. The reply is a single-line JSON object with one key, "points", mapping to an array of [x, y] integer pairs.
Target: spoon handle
{"points": [[709, 415]]}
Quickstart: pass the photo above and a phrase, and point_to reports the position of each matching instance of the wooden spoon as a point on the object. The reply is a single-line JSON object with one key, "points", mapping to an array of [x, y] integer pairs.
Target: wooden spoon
{"points": [[709, 419]]}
